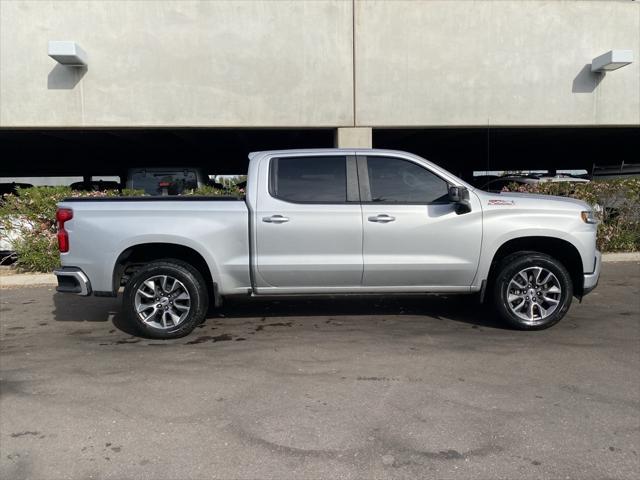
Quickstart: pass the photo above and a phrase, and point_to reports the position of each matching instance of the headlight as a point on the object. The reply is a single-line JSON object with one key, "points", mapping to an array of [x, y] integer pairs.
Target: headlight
{"points": [[588, 217]]}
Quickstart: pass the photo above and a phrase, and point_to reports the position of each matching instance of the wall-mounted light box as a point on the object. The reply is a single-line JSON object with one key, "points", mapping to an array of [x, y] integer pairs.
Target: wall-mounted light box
{"points": [[68, 53], [612, 60]]}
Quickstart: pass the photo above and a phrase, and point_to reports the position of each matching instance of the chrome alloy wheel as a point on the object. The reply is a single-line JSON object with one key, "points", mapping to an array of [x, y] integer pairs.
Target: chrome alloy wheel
{"points": [[162, 302], [534, 294]]}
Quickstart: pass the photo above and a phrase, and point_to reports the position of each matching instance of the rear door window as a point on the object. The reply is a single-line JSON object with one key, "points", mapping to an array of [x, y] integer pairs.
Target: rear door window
{"points": [[309, 179]]}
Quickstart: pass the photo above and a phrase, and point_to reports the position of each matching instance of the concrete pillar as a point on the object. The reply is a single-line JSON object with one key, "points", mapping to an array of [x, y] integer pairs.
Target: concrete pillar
{"points": [[354, 137]]}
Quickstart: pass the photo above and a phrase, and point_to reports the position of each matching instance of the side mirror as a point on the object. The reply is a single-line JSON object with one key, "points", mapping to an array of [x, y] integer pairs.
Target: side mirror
{"points": [[460, 196]]}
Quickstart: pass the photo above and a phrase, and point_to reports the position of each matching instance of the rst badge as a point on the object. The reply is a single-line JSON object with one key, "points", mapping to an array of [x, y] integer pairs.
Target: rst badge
{"points": [[505, 203]]}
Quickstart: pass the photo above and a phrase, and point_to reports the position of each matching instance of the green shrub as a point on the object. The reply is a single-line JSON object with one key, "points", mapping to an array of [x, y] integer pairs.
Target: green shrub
{"points": [[616, 203], [211, 191], [229, 189], [29, 220], [37, 252]]}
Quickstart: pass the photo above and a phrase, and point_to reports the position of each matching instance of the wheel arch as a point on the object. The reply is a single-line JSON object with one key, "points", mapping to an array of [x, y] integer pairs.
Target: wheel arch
{"points": [[561, 250], [134, 256]]}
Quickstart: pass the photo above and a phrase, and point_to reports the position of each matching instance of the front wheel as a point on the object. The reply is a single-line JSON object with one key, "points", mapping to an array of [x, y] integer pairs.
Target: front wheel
{"points": [[166, 299], [533, 291]]}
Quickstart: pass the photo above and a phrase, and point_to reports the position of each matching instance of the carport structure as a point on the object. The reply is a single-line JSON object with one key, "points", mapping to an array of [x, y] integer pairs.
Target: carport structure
{"points": [[472, 86], [464, 150], [110, 151]]}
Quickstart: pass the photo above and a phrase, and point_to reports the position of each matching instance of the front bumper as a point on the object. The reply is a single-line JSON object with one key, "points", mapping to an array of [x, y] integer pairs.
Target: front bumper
{"points": [[591, 279], [72, 280]]}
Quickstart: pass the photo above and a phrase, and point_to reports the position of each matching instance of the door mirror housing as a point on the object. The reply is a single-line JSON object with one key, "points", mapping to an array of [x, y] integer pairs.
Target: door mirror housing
{"points": [[460, 197]]}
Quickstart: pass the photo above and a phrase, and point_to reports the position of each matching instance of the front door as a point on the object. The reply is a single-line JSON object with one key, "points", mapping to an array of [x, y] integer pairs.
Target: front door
{"points": [[309, 225], [412, 234]]}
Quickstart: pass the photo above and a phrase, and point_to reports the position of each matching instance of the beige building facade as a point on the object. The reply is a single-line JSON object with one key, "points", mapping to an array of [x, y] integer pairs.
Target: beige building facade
{"points": [[367, 65], [318, 63]]}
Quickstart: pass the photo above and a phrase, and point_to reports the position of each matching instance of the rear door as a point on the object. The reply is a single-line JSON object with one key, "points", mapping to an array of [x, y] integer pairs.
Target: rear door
{"points": [[309, 224], [412, 234]]}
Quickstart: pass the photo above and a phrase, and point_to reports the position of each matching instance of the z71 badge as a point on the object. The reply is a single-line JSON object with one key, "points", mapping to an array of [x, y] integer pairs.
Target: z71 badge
{"points": [[502, 202]]}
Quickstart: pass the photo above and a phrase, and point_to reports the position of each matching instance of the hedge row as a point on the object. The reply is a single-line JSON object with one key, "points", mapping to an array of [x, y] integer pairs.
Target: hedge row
{"points": [[616, 203], [30, 216], [28, 219]]}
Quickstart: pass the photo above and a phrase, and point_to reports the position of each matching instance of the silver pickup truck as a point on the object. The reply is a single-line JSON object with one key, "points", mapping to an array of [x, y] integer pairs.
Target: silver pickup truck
{"points": [[330, 221]]}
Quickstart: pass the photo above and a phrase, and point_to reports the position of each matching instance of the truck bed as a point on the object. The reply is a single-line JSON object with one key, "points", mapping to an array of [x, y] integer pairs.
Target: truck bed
{"points": [[102, 229]]}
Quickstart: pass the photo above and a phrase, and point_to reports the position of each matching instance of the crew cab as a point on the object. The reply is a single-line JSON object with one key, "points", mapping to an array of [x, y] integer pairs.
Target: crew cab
{"points": [[330, 221]]}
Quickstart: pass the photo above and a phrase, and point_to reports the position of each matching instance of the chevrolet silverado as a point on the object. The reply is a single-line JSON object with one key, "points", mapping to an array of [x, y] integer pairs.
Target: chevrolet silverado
{"points": [[330, 221]]}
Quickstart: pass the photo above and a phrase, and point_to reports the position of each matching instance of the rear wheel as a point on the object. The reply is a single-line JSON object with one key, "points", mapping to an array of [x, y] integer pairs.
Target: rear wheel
{"points": [[166, 299], [533, 291]]}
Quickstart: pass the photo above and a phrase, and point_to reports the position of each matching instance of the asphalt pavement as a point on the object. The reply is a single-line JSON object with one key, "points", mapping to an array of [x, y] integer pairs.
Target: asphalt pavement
{"points": [[400, 387]]}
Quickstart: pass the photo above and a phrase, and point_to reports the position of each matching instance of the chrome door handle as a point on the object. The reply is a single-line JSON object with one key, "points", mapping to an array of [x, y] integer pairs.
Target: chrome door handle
{"points": [[383, 218], [275, 219]]}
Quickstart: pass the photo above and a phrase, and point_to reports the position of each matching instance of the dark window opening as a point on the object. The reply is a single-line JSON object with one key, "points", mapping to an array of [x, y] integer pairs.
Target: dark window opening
{"points": [[310, 180]]}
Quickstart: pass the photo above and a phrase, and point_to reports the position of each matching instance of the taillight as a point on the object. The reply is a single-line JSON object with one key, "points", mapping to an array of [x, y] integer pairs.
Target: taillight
{"points": [[63, 215]]}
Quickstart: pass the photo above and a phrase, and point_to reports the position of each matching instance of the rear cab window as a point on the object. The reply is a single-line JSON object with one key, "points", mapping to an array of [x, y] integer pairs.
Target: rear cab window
{"points": [[309, 179]]}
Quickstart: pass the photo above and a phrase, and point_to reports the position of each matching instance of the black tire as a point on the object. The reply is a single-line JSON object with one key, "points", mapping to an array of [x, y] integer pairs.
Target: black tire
{"points": [[192, 281], [508, 268]]}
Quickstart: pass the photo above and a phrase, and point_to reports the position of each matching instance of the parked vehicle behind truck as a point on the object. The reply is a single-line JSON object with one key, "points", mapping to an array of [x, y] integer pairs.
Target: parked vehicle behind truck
{"points": [[330, 221], [166, 181]]}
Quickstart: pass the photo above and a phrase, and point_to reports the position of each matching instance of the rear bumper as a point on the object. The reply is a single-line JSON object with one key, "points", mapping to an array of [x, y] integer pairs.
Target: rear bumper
{"points": [[591, 279], [72, 280]]}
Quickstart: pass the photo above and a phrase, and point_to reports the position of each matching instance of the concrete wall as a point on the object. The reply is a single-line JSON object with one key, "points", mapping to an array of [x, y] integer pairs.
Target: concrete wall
{"points": [[495, 62], [276, 63], [168, 62]]}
